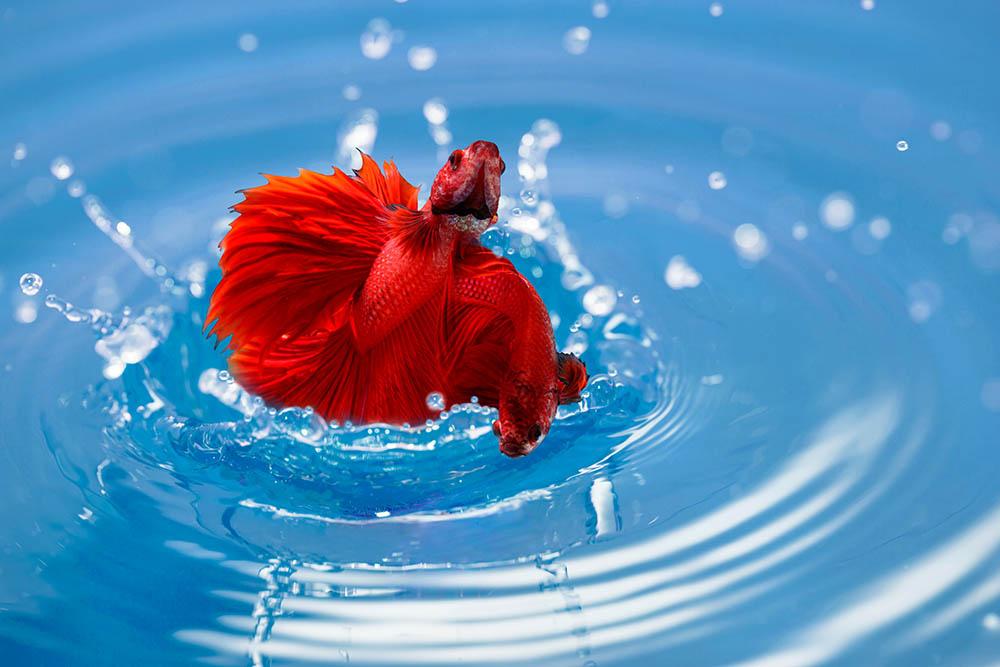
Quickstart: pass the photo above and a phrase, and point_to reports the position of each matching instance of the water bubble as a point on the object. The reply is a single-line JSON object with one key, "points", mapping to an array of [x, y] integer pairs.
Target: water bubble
{"points": [[26, 312], [529, 197], [358, 131], [435, 111], [76, 188], [615, 205], [668, 168], [351, 92], [681, 275], [837, 211], [715, 9], [636, 299], [225, 376], [712, 380], [902, 145], [600, 300], [940, 130], [867, 5], [31, 283], [435, 401], [546, 133], [716, 180], [20, 151], [990, 394], [799, 231], [576, 343], [422, 58], [880, 228], [576, 40], [600, 9], [991, 622], [377, 39], [925, 298], [61, 168], [751, 243], [248, 42]]}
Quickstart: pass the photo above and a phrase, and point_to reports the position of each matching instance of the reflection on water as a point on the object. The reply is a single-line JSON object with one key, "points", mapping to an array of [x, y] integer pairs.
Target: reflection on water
{"points": [[771, 232]]}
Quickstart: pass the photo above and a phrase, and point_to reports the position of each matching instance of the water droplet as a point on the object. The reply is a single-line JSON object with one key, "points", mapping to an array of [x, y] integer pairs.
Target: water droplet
{"points": [[422, 58], [712, 380], [925, 298], [576, 343], [880, 228], [248, 42], [991, 622], [528, 197], [940, 130], [902, 146], [680, 275], [615, 205], [26, 312], [867, 5], [576, 40], [600, 9], [61, 168], [31, 283], [20, 151], [635, 298], [225, 376], [76, 188], [435, 111], [669, 168], [377, 39], [751, 243], [715, 9], [837, 211], [435, 401], [716, 180], [600, 300], [799, 231], [990, 394], [351, 93]]}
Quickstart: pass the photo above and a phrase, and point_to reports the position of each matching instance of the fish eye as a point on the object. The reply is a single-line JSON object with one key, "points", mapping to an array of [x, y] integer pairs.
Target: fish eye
{"points": [[503, 166], [455, 159], [535, 432]]}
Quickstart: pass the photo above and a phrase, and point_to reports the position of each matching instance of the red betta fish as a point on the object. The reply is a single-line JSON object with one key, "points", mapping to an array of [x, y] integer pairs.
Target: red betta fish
{"points": [[339, 293]]}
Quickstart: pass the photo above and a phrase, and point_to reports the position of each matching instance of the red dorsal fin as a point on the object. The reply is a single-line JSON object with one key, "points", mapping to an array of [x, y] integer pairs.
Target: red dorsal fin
{"points": [[390, 188]]}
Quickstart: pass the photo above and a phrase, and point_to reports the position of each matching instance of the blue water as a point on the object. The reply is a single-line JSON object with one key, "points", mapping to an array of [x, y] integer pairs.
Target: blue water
{"points": [[771, 229]]}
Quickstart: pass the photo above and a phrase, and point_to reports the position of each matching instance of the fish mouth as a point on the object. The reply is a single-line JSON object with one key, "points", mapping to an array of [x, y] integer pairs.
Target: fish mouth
{"points": [[476, 203]]}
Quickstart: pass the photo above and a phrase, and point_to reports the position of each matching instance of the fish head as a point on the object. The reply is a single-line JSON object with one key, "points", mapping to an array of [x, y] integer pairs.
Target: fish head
{"points": [[467, 188], [525, 418]]}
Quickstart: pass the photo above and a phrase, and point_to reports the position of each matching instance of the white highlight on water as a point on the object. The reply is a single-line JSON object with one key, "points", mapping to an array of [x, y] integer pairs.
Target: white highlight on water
{"points": [[435, 111], [902, 146], [681, 275], [577, 40], [31, 283], [837, 211], [600, 9], [602, 499], [61, 167], [422, 58], [799, 231], [20, 152], [924, 299], [715, 9]]}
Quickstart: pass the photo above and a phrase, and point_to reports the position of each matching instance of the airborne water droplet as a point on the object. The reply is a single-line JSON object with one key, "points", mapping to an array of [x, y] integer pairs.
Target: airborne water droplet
{"points": [[435, 401], [716, 180], [600, 300], [31, 283], [576, 40], [902, 146], [61, 168]]}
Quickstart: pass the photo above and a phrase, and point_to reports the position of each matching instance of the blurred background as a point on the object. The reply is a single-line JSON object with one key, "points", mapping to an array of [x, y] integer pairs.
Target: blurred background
{"points": [[772, 230]]}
